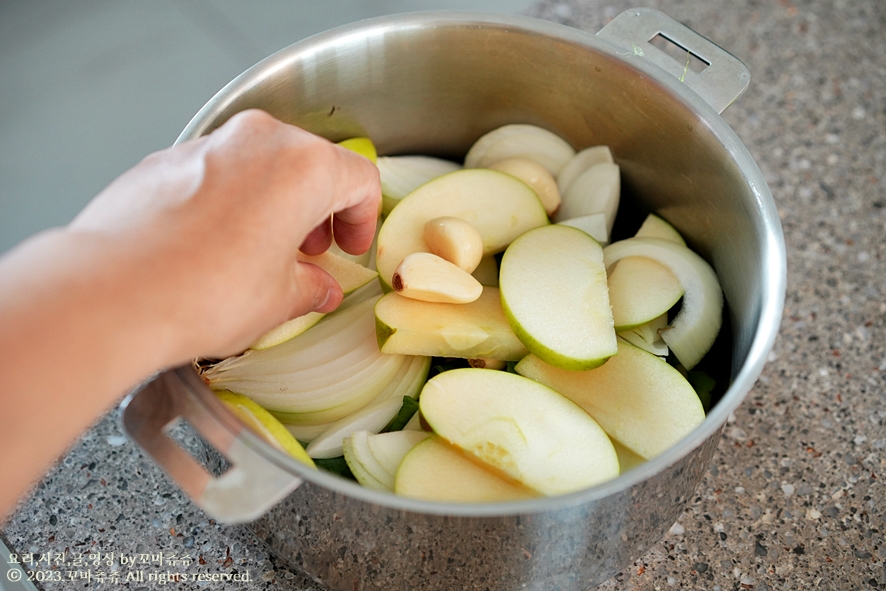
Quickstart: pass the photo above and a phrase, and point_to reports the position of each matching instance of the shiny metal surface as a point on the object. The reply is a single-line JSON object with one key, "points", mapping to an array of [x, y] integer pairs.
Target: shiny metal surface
{"points": [[432, 84], [255, 479], [723, 80]]}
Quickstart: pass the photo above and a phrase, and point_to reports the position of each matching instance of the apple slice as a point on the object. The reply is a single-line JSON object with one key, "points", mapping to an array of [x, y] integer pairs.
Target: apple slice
{"points": [[596, 190], [401, 175], [693, 331], [264, 425], [656, 227], [638, 399], [476, 329], [581, 162], [640, 290], [519, 427], [362, 146], [648, 336], [627, 460], [498, 205], [435, 471], [593, 225], [349, 275], [554, 294], [521, 141]]}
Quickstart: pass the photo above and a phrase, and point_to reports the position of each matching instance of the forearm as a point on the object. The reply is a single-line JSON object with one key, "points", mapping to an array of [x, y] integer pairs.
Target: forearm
{"points": [[82, 324]]}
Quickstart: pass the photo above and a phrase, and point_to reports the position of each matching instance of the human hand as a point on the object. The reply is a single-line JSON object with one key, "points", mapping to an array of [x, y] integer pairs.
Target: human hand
{"points": [[218, 222]]}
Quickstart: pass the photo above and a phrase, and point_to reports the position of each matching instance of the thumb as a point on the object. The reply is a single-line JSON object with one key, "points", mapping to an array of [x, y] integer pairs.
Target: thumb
{"points": [[315, 290]]}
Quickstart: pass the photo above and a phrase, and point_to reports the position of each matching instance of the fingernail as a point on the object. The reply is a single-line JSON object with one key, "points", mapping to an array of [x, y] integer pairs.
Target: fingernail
{"points": [[330, 301]]}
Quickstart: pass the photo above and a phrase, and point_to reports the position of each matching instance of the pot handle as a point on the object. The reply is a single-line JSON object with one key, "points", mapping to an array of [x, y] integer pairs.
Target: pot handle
{"points": [[256, 480], [723, 80]]}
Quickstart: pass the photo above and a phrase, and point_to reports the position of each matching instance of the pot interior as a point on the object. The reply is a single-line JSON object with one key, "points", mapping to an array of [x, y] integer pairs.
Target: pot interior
{"points": [[432, 85]]}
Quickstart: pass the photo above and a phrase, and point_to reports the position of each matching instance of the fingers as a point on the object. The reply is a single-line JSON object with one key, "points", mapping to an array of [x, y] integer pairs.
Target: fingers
{"points": [[353, 224], [319, 240], [314, 290]]}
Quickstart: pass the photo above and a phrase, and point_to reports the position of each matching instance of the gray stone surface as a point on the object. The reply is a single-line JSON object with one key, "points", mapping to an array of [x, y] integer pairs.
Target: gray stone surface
{"points": [[795, 497]]}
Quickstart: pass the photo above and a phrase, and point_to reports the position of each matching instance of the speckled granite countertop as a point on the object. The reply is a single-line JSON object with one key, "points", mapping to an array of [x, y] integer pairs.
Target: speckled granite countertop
{"points": [[796, 495]]}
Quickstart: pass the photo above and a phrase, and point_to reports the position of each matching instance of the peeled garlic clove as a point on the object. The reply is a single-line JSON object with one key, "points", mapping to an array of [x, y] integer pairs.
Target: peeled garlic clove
{"points": [[456, 241], [536, 176], [429, 278]]}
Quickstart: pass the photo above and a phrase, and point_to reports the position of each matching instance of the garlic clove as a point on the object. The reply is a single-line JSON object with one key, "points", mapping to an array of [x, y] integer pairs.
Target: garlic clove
{"points": [[456, 241], [429, 278], [536, 176]]}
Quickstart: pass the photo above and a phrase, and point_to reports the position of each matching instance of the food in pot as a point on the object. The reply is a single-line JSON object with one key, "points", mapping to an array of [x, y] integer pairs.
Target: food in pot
{"points": [[548, 370]]}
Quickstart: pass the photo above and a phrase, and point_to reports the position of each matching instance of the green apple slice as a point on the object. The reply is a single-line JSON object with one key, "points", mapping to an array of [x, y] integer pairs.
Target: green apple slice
{"points": [[436, 471], [555, 296], [640, 290], [656, 227], [349, 275], [648, 336], [264, 425], [594, 225], [693, 331], [581, 162], [479, 329], [498, 205], [520, 141], [401, 175], [596, 190], [362, 146], [639, 400], [627, 460], [519, 427]]}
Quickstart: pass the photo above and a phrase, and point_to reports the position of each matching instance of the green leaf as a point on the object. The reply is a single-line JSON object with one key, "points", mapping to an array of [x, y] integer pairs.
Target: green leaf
{"points": [[409, 408], [703, 384], [336, 465]]}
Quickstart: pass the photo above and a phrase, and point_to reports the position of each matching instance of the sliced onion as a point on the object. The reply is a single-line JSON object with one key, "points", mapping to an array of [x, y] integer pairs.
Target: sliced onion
{"points": [[693, 331]]}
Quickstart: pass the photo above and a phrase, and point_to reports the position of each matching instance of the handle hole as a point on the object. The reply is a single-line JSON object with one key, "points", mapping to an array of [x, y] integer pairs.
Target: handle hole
{"points": [[693, 61], [196, 446]]}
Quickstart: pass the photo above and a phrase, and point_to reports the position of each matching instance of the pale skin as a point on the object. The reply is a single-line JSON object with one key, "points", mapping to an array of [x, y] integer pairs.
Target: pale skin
{"points": [[191, 253]]}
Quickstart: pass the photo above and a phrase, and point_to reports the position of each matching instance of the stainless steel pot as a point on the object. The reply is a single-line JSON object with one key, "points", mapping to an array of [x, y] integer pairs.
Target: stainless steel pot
{"points": [[432, 84]]}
